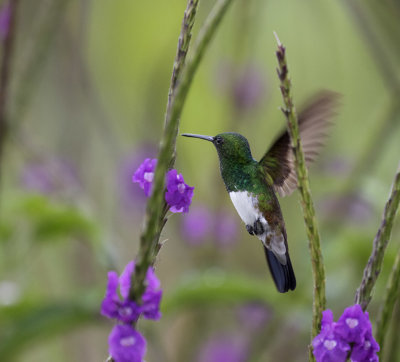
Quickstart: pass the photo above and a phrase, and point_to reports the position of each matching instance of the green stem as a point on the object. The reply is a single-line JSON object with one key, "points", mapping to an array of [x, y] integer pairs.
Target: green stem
{"points": [[378, 51], [183, 47], [156, 206], [155, 213], [392, 340], [5, 71], [373, 267], [180, 85], [375, 148], [318, 269], [392, 294], [35, 55]]}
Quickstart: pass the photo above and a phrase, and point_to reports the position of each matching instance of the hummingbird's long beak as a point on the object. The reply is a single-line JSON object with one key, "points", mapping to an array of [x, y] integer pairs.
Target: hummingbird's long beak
{"points": [[207, 138]]}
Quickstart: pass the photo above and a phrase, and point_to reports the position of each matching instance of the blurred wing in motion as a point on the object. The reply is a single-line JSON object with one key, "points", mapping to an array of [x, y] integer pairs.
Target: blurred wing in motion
{"points": [[314, 121]]}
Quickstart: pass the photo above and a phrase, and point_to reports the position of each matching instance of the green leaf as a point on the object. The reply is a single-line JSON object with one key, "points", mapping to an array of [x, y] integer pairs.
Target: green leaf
{"points": [[51, 220], [26, 323], [215, 287]]}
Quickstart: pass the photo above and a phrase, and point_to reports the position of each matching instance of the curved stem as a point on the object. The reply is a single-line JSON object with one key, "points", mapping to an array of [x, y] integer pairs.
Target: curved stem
{"points": [[373, 267], [156, 206], [319, 300], [155, 213]]}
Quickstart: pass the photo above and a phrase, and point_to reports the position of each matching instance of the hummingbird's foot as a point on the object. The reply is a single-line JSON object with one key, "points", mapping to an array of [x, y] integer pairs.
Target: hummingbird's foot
{"points": [[250, 229], [258, 227]]}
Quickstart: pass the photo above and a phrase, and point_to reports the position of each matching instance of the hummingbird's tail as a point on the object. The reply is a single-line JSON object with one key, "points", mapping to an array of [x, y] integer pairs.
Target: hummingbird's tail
{"points": [[283, 275]]}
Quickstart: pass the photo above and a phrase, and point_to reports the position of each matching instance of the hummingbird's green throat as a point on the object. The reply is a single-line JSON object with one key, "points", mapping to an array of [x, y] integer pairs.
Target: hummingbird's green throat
{"points": [[252, 185]]}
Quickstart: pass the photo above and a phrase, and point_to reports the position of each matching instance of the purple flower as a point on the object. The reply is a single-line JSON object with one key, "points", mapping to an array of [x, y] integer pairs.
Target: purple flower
{"points": [[197, 225], [327, 319], [249, 89], [152, 297], [179, 195], [225, 229], [5, 17], [113, 307], [225, 348], [144, 175], [351, 207], [365, 351], [352, 331], [124, 309], [328, 347], [254, 315], [49, 176], [126, 344], [132, 197], [353, 324]]}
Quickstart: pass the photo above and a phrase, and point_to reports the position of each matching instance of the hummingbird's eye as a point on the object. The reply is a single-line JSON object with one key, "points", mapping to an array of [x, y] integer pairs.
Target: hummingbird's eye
{"points": [[219, 140]]}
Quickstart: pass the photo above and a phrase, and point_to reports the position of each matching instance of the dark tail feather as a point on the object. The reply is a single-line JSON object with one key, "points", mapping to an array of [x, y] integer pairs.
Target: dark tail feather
{"points": [[283, 275]]}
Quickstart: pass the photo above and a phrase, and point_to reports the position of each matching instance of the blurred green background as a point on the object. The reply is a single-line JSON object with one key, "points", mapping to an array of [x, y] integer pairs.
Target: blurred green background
{"points": [[89, 84]]}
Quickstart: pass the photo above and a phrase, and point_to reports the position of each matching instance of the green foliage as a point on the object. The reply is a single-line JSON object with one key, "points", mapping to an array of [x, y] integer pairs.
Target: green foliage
{"points": [[90, 84], [50, 220], [27, 323]]}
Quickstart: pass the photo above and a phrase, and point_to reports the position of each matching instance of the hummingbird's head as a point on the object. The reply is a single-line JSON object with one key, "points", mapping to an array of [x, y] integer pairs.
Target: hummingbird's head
{"points": [[229, 145]]}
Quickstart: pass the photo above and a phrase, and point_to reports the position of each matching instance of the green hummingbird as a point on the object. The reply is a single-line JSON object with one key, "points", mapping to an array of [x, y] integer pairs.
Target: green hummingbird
{"points": [[252, 185]]}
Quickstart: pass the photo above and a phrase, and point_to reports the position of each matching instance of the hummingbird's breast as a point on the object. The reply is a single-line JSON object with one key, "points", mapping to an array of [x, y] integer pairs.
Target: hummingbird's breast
{"points": [[260, 211]]}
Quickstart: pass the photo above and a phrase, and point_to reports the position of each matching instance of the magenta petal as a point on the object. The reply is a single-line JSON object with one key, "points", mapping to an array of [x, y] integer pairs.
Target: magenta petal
{"points": [[152, 281], [151, 305], [353, 324], [125, 279], [109, 306], [365, 351], [144, 175], [178, 195]]}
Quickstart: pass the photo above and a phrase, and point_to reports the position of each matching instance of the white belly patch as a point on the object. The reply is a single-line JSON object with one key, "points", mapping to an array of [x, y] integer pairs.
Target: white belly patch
{"points": [[247, 207]]}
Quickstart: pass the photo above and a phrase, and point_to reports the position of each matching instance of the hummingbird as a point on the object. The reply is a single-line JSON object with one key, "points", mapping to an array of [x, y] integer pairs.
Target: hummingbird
{"points": [[253, 185]]}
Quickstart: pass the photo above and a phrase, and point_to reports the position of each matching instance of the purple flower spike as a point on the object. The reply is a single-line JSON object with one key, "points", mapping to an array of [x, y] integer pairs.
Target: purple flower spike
{"points": [[353, 324], [225, 230], [254, 315], [353, 330], [49, 176], [179, 195], [249, 89], [128, 311], [5, 17], [144, 175], [197, 225], [224, 348], [126, 344]]}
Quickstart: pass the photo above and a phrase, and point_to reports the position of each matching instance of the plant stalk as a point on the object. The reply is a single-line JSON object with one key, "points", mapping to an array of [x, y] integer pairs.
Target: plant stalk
{"points": [[319, 300], [180, 85], [374, 265]]}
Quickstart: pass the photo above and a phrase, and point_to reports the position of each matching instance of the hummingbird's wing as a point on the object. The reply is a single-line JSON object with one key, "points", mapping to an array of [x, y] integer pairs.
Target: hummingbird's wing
{"points": [[314, 121]]}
